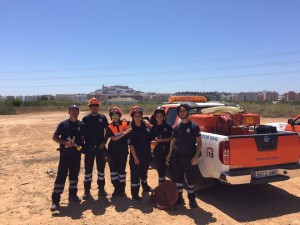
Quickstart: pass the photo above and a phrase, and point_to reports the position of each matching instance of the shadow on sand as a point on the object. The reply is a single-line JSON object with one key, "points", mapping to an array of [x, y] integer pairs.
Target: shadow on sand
{"points": [[246, 203], [122, 204]]}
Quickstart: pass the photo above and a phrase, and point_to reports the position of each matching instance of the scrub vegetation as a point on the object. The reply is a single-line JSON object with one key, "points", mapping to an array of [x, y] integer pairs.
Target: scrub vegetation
{"points": [[264, 109]]}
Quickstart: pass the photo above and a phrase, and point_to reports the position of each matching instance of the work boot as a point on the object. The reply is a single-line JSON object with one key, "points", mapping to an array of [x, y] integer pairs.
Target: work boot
{"points": [[180, 200], [122, 193], [192, 200], [86, 195], [116, 193], [54, 207], [193, 204], [74, 198], [137, 198], [122, 189], [102, 193]]}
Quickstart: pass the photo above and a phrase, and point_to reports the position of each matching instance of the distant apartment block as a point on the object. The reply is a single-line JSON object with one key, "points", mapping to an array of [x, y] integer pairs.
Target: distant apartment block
{"points": [[291, 96], [270, 96], [64, 97], [121, 101], [102, 97], [80, 98], [153, 96], [246, 97], [30, 98], [10, 98]]}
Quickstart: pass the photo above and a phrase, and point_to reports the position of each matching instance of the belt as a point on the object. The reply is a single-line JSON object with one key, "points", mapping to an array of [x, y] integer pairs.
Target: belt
{"points": [[94, 146]]}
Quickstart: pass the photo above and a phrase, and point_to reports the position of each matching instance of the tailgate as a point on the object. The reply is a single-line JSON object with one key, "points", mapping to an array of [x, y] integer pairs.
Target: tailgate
{"points": [[264, 150]]}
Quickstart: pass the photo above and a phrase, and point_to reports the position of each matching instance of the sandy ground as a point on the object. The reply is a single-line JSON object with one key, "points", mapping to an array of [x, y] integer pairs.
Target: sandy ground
{"points": [[28, 152]]}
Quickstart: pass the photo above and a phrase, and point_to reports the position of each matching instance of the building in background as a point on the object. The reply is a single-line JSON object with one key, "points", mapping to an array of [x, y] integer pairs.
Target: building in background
{"points": [[291, 96], [246, 97]]}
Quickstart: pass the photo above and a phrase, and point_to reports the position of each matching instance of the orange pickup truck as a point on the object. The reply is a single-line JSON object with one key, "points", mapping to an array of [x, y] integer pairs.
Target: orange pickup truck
{"points": [[236, 149]]}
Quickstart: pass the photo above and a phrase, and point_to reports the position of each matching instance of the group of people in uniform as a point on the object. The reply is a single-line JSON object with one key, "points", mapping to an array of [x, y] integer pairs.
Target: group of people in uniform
{"points": [[181, 146]]}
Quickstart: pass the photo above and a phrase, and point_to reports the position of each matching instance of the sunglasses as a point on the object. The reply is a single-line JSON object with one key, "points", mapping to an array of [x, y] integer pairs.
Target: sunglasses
{"points": [[183, 111]]}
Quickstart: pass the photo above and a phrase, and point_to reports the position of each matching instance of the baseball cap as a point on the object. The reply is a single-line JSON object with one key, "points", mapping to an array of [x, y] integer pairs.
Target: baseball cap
{"points": [[73, 107]]}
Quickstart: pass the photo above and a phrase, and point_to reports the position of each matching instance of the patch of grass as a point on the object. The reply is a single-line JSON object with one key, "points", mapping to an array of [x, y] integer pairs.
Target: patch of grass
{"points": [[264, 109], [271, 110]]}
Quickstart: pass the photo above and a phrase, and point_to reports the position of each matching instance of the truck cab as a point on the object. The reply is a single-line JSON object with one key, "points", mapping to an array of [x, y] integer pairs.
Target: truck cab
{"points": [[290, 125], [293, 124]]}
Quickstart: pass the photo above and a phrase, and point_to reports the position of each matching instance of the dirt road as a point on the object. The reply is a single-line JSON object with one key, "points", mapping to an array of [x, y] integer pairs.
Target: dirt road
{"points": [[28, 152]]}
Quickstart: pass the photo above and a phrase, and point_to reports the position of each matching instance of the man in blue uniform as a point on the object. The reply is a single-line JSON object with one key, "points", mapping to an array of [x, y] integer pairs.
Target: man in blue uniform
{"points": [[70, 135], [95, 140], [186, 135]]}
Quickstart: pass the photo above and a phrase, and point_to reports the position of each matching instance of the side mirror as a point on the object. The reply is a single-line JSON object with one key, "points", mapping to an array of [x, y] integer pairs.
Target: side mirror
{"points": [[291, 122]]}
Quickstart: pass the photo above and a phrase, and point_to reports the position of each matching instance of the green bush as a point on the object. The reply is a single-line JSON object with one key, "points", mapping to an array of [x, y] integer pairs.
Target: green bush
{"points": [[16, 102], [48, 103], [6, 108]]}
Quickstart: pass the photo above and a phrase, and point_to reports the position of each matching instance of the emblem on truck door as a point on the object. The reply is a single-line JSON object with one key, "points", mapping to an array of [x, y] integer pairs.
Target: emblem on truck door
{"points": [[209, 152], [267, 139]]}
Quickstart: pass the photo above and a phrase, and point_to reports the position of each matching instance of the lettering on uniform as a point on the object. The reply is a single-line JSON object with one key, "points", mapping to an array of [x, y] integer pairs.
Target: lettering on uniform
{"points": [[188, 130]]}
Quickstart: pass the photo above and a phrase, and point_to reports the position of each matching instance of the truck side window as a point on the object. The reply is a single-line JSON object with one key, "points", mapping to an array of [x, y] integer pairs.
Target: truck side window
{"points": [[171, 116], [297, 121]]}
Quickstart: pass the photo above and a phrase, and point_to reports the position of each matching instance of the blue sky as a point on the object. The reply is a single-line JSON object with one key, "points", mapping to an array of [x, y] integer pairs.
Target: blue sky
{"points": [[76, 46]]}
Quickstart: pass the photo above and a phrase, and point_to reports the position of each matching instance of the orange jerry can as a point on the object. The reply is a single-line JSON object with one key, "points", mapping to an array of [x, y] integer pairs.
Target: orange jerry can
{"points": [[206, 122], [247, 119], [251, 119]]}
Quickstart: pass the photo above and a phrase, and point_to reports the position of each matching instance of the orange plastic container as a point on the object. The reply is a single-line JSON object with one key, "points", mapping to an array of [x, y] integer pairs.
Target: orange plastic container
{"points": [[251, 119], [206, 122]]}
